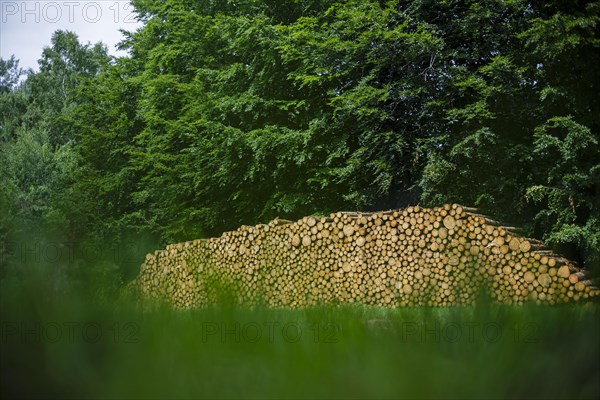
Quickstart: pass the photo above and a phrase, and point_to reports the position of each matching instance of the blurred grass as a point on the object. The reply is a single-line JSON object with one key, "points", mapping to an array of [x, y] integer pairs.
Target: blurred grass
{"points": [[61, 343], [356, 352]]}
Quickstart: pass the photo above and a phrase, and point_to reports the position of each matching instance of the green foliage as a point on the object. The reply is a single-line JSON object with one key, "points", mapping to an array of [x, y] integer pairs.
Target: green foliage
{"points": [[522, 138], [245, 112], [40, 162], [570, 155], [9, 74]]}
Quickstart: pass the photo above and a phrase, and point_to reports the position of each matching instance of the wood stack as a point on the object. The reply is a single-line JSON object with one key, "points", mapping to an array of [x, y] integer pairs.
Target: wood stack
{"points": [[416, 256]]}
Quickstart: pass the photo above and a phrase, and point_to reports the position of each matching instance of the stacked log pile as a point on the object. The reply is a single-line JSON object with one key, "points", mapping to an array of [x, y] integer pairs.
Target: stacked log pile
{"points": [[416, 256]]}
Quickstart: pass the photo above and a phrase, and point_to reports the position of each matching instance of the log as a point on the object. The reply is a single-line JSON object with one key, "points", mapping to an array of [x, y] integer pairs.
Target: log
{"points": [[513, 230], [470, 209], [277, 222], [578, 276], [449, 222], [525, 246]]}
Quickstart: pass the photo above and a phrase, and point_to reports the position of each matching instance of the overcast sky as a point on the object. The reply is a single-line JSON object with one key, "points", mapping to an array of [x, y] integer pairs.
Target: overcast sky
{"points": [[26, 26]]}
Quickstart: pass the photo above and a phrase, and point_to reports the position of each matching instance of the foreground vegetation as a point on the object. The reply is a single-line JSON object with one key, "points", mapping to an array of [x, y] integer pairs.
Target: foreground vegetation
{"points": [[73, 347]]}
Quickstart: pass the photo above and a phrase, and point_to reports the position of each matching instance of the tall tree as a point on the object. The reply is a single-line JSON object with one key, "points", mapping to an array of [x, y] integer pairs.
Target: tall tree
{"points": [[39, 162], [243, 111], [518, 113]]}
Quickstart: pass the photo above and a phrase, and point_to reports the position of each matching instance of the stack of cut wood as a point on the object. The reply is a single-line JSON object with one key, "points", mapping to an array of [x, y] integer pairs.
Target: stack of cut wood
{"points": [[416, 256]]}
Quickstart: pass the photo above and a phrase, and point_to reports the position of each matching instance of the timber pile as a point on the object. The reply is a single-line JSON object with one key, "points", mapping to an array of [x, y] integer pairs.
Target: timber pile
{"points": [[415, 256]]}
